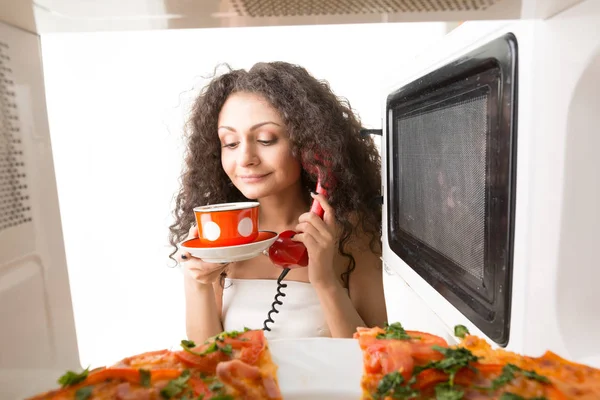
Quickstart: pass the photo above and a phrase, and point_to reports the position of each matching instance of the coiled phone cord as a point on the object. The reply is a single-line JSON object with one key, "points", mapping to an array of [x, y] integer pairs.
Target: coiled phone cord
{"points": [[276, 302]]}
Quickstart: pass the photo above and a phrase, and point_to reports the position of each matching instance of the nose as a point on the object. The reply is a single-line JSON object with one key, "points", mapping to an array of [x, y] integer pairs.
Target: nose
{"points": [[248, 156]]}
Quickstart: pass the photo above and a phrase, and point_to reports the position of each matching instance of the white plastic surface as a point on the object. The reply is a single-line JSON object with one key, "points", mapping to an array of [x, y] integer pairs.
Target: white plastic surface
{"points": [[318, 368], [37, 331]]}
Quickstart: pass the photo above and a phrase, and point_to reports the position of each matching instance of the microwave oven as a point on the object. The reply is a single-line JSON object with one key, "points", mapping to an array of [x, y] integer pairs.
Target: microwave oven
{"points": [[490, 187]]}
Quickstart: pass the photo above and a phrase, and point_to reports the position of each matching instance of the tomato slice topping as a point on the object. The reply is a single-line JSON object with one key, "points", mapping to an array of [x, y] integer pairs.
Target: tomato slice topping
{"points": [[206, 363], [131, 375], [247, 346], [199, 387]]}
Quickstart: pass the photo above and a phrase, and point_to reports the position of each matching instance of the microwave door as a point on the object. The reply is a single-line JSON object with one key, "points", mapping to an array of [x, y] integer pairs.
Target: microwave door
{"points": [[450, 150], [38, 332]]}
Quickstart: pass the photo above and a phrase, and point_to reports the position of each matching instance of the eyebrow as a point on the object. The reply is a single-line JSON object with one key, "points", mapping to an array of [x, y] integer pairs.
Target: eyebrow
{"points": [[253, 127]]}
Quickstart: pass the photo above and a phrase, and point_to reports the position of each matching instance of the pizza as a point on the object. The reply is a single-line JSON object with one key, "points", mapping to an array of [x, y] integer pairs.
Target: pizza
{"points": [[397, 364], [400, 364], [574, 381], [231, 365]]}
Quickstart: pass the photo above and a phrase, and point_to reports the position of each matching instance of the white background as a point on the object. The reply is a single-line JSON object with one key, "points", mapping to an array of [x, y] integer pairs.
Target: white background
{"points": [[117, 103]]}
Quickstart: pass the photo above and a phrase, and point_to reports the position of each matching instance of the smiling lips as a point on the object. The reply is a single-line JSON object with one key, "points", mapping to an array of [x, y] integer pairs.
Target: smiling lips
{"points": [[252, 178]]}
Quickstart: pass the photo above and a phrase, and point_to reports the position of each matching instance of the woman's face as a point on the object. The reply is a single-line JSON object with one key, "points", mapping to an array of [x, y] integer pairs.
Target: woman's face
{"points": [[255, 147]]}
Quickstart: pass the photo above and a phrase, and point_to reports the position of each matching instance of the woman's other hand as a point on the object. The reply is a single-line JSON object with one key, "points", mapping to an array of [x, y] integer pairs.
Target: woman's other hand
{"points": [[196, 269], [320, 237]]}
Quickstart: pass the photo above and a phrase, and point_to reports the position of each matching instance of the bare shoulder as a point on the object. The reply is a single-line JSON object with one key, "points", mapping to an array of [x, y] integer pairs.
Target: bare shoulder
{"points": [[366, 281], [367, 254]]}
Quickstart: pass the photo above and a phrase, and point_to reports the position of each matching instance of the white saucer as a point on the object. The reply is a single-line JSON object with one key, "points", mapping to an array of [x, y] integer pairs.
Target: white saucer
{"points": [[230, 253]]}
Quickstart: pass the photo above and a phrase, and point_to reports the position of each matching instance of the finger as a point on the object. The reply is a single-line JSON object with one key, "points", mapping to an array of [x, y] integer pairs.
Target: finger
{"points": [[307, 227], [184, 256], [193, 232], [212, 277], [314, 220], [312, 235], [206, 268], [328, 211], [204, 278], [308, 240]]}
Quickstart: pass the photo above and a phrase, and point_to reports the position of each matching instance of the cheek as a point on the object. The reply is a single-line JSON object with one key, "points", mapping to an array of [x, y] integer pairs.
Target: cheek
{"points": [[228, 164], [292, 167]]}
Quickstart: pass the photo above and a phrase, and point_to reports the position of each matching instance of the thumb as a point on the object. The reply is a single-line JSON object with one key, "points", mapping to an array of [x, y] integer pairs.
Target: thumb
{"points": [[329, 218], [193, 232]]}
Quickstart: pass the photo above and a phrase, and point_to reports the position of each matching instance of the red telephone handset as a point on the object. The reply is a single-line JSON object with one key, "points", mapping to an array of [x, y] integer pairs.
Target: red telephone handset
{"points": [[285, 252], [288, 254]]}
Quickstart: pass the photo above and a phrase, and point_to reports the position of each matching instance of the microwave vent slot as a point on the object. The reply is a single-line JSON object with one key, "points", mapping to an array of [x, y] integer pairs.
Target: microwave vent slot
{"points": [[307, 8], [14, 197]]}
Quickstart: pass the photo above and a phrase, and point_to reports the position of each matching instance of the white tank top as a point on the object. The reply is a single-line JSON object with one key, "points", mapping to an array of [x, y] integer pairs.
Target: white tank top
{"points": [[247, 302]]}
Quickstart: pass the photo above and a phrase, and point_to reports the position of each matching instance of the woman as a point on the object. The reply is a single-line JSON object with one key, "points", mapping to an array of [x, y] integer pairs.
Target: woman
{"points": [[250, 134]]}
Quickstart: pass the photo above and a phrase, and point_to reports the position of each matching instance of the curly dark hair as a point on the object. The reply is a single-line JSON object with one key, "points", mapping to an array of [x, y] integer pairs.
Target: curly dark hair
{"points": [[324, 132]]}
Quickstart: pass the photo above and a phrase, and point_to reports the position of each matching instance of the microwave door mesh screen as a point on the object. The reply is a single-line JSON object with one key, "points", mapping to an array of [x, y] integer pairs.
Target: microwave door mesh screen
{"points": [[442, 169]]}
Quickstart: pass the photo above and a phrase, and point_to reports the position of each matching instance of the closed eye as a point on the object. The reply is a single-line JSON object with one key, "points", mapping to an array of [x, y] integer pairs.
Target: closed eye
{"points": [[267, 142], [231, 145]]}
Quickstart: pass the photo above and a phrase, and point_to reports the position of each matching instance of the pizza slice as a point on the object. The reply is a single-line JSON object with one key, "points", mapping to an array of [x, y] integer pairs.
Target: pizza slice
{"points": [[400, 364], [576, 381], [232, 365], [240, 360]]}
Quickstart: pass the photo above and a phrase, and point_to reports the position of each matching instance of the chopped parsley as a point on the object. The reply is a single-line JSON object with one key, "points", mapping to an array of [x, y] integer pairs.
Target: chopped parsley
{"points": [[393, 385], [508, 374], [534, 376], [144, 377], [446, 392], [218, 390], [84, 393], [190, 397], [72, 378], [210, 349], [227, 349], [175, 386], [461, 331], [188, 345], [231, 334], [395, 331], [215, 386], [512, 396], [453, 361]]}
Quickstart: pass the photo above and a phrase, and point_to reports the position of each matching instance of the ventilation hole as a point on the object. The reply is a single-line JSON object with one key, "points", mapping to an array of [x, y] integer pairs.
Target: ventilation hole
{"points": [[302, 8], [14, 198]]}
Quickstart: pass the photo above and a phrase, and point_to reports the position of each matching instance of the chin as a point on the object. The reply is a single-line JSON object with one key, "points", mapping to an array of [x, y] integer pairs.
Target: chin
{"points": [[253, 193], [259, 191]]}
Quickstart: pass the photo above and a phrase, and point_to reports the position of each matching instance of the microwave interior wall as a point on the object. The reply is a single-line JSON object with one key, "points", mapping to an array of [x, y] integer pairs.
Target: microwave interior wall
{"points": [[555, 226]]}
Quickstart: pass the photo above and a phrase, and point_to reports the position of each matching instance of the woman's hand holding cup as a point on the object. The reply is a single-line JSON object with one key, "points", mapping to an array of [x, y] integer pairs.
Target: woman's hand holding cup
{"points": [[202, 272]]}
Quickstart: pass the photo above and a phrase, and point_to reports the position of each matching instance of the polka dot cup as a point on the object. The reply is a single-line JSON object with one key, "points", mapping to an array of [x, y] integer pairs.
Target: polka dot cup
{"points": [[227, 224]]}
